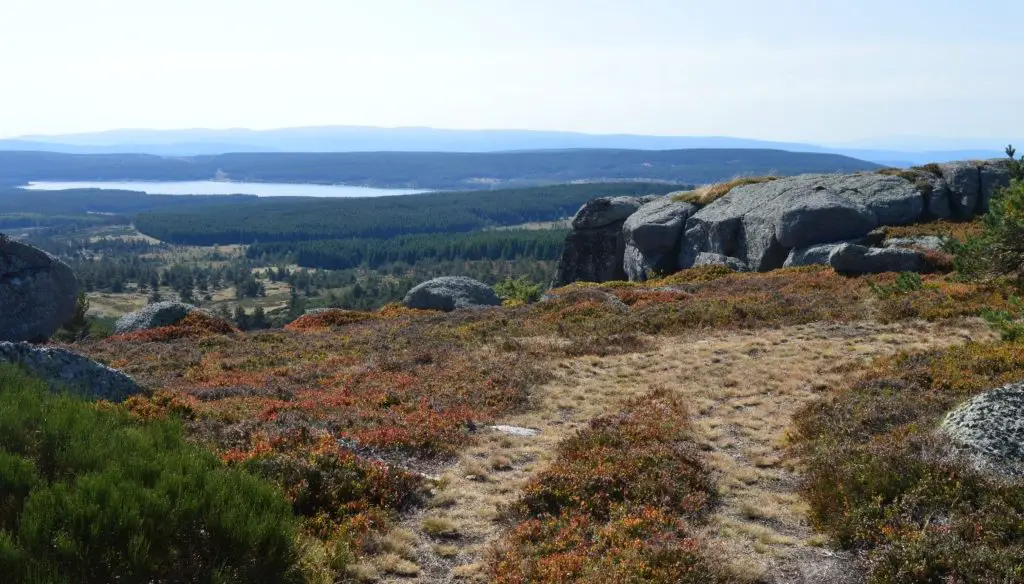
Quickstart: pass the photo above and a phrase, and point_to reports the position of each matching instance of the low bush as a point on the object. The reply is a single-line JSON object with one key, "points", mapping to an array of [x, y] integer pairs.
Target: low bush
{"points": [[617, 505], [906, 282], [877, 478], [194, 325], [89, 494], [517, 291]]}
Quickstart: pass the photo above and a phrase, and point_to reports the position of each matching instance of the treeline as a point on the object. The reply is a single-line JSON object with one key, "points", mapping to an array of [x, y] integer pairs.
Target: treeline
{"points": [[17, 201], [432, 170], [539, 244], [76, 222], [282, 219]]}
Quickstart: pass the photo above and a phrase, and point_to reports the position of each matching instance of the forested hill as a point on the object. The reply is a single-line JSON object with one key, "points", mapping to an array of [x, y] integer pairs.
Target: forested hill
{"points": [[432, 170], [289, 219]]}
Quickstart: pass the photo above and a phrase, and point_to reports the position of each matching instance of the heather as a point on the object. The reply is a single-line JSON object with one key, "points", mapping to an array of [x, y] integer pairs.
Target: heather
{"points": [[619, 504]]}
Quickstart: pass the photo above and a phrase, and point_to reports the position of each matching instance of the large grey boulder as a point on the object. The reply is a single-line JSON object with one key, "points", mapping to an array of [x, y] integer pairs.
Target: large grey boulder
{"points": [[933, 187], [64, 370], [38, 292], [989, 430], [153, 316], [964, 180], [451, 293], [595, 249], [995, 176], [604, 211], [652, 236], [592, 255], [857, 259], [761, 223]]}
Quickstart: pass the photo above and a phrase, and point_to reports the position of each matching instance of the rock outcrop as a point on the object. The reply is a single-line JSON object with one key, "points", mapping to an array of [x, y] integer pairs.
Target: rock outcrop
{"points": [[37, 292], [595, 248], [64, 370], [652, 236], [989, 430], [152, 316], [451, 293], [790, 221], [760, 224]]}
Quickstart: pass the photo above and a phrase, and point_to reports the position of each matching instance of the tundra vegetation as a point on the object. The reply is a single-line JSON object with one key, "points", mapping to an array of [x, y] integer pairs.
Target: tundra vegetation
{"points": [[371, 430]]}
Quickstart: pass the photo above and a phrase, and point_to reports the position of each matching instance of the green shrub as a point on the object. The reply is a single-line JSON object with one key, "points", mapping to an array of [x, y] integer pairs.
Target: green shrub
{"points": [[518, 290], [89, 494], [999, 249], [1009, 325], [905, 283]]}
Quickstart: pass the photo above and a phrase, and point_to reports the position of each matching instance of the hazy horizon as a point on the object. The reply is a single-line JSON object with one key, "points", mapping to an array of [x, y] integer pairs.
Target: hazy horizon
{"points": [[791, 70], [894, 142]]}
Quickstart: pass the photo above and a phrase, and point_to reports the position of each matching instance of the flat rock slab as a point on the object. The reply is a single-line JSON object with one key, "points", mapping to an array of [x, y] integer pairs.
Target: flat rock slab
{"points": [[63, 370], [515, 430]]}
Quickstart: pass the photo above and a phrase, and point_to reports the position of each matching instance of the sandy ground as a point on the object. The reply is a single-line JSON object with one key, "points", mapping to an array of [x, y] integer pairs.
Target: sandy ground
{"points": [[743, 387]]}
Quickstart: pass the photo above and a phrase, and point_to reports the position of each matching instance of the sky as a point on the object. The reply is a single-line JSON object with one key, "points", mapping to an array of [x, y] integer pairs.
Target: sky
{"points": [[825, 71]]}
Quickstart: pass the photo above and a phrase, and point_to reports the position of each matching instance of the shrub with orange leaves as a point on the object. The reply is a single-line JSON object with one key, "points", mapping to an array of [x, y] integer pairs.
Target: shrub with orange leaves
{"points": [[195, 324], [330, 318], [616, 505]]}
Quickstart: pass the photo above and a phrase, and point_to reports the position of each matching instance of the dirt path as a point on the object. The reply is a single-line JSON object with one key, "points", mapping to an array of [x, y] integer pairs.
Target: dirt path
{"points": [[743, 387]]}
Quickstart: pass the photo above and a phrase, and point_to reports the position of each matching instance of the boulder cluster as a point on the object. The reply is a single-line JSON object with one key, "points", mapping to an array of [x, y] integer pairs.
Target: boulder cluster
{"points": [[764, 225]]}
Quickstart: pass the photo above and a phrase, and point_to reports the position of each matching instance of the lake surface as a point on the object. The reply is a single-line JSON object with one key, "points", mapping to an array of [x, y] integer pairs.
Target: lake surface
{"points": [[210, 187]]}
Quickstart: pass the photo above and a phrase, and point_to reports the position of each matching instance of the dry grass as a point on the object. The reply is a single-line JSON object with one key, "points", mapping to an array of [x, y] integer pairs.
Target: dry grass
{"points": [[959, 230], [440, 527], [397, 565], [708, 194]]}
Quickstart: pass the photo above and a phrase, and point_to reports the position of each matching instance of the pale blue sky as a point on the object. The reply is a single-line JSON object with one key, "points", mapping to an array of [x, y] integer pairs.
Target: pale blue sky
{"points": [[824, 71]]}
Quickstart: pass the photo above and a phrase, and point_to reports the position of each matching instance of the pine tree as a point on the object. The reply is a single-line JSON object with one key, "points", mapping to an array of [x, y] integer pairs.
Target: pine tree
{"points": [[241, 318]]}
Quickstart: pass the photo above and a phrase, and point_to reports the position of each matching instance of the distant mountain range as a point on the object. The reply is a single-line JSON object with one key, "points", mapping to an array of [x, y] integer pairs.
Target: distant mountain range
{"points": [[195, 142]]}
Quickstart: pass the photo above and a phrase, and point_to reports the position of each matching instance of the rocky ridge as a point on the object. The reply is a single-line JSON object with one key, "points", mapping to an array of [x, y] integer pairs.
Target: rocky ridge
{"points": [[799, 220]]}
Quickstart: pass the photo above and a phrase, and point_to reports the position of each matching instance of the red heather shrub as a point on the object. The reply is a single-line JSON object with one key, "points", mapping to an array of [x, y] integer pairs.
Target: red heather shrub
{"points": [[330, 318], [339, 317], [646, 545], [643, 455], [322, 478], [616, 505], [196, 324]]}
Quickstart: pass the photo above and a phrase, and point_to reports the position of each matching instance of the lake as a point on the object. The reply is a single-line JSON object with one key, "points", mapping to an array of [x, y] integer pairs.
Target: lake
{"points": [[210, 187]]}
